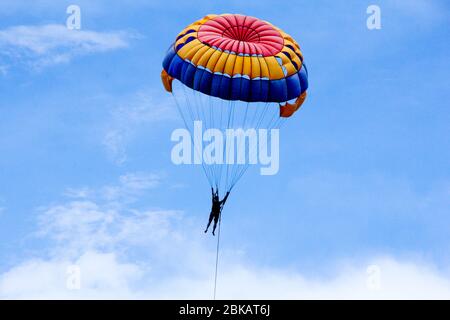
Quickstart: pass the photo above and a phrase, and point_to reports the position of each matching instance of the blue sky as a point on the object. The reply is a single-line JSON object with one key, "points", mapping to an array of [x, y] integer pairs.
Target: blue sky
{"points": [[85, 127]]}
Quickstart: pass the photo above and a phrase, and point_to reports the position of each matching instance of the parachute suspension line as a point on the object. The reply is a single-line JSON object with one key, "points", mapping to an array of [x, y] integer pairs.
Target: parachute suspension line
{"points": [[232, 163], [273, 123], [222, 115], [204, 119], [191, 131], [213, 125], [191, 112], [201, 116], [263, 115], [230, 125], [238, 166], [222, 126], [258, 113], [259, 118], [280, 123], [212, 115], [216, 108], [252, 124]]}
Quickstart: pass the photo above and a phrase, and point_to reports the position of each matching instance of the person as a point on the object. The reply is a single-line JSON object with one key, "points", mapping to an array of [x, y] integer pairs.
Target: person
{"points": [[216, 209]]}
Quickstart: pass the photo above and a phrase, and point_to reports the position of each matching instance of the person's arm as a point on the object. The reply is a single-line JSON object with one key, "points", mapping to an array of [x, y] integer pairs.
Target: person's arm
{"points": [[226, 197]]}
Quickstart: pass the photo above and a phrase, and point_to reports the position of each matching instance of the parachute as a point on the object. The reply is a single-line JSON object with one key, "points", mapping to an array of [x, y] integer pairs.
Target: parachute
{"points": [[234, 71]]}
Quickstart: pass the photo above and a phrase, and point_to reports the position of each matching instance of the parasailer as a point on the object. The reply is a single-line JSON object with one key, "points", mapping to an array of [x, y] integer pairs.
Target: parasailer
{"points": [[233, 71], [216, 209]]}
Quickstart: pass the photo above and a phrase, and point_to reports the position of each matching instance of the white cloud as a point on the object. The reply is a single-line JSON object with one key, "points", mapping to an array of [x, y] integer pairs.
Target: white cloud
{"points": [[77, 193], [125, 252], [46, 45], [129, 186], [102, 276], [398, 280], [104, 217], [135, 181], [81, 225], [106, 275]]}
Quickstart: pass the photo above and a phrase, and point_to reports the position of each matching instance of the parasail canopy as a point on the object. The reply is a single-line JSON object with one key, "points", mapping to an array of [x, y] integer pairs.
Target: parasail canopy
{"points": [[234, 71], [237, 57]]}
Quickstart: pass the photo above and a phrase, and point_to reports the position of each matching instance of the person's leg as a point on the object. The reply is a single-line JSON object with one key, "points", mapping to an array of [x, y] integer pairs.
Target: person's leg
{"points": [[216, 219], [211, 216]]}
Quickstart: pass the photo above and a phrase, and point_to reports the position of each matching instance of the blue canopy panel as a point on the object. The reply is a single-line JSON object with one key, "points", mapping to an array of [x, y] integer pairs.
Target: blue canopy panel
{"points": [[235, 88]]}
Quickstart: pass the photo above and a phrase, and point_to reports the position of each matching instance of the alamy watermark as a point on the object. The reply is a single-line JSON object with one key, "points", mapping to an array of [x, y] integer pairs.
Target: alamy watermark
{"points": [[373, 281], [229, 146], [374, 20], [73, 280], [73, 21]]}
